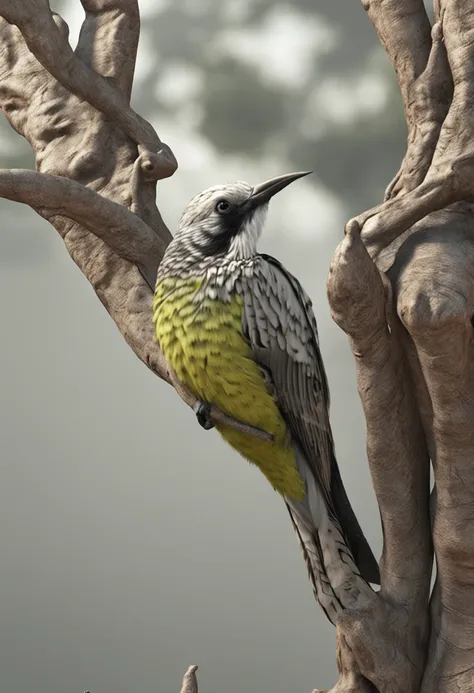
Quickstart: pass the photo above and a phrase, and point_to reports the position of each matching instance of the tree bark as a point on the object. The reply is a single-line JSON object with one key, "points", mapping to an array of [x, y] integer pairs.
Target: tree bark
{"points": [[400, 285], [409, 321]]}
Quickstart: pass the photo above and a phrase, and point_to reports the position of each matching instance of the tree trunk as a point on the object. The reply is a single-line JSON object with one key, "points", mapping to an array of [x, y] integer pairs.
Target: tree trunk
{"points": [[409, 321], [400, 286]]}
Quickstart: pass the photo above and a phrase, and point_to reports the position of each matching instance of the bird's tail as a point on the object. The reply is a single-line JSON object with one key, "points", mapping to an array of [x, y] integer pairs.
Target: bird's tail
{"points": [[339, 560]]}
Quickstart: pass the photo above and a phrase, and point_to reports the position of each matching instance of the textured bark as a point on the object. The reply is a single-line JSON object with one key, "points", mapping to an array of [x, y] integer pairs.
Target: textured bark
{"points": [[190, 684], [408, 318], [388, 642], [400, 285], [97, 160]]}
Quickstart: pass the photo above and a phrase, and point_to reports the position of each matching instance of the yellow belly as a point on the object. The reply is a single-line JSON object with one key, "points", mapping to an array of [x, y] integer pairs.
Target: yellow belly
{"points": [[204, 345]]}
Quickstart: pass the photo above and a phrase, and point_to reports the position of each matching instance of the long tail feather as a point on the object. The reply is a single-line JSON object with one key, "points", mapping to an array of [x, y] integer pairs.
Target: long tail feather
{"points": [[358, 544], [332, 567], [312, 554]]}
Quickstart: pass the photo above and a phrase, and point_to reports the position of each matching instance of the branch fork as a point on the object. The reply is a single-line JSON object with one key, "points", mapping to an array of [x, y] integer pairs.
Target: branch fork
{"points": [[123, 230]]}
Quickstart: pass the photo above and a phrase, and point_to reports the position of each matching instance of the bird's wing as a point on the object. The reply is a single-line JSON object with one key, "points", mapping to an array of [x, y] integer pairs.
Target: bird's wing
{"points": [[279, 323]]}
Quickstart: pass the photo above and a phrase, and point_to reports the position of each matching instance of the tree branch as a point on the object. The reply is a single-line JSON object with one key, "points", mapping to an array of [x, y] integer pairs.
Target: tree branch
{"points": [[418, 56], [435, 297], [397, 621], [119, 31], [411, 333], [124, 232], [50, 47], [77, 210], [451, 171], [190, 684]]}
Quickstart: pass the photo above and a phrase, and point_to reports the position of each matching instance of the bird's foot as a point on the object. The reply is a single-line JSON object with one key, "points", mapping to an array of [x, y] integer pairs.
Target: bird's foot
{"points": [[203, 414]]}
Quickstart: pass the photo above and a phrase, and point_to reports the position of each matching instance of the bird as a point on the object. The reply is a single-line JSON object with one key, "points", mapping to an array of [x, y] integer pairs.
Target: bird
{"points": [[239, 332]]}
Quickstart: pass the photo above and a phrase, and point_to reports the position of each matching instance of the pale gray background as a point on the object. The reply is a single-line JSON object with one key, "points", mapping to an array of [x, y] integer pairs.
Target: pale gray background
{"points": [[133, 543]]}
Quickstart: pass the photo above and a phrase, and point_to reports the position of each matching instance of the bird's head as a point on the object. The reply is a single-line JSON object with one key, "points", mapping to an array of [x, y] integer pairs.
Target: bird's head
{"points": [[226, 221]]}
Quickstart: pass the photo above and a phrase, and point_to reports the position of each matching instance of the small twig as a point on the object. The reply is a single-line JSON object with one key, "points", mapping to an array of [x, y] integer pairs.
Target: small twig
{"points": [[190, 684], [216, 416]]}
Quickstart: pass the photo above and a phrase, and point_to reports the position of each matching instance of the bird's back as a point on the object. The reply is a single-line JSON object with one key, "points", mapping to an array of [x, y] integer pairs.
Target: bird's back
{"points": [[203, 342]]}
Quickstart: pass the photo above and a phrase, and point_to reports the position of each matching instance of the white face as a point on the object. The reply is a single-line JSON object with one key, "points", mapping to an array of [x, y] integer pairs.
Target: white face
{"points": [[244, 243], [220, 222]]}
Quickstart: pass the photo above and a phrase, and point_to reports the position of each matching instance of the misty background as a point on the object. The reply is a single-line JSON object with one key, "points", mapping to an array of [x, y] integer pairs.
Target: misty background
{"points": [[134, 543]]}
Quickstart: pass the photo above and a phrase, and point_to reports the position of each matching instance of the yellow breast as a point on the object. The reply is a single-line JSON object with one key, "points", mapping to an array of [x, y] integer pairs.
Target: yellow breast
{"points": [[204, 344]]}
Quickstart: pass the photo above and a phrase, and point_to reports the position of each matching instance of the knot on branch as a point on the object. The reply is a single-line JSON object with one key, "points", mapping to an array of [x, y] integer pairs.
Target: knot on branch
{"points": [[355, 287], [424, 307], [156, 166]]}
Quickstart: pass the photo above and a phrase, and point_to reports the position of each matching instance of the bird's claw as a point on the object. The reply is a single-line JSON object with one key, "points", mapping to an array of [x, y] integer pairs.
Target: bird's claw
{"points": [[203, 415]]}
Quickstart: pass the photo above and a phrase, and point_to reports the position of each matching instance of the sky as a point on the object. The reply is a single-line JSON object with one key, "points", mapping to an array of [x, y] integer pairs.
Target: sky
{"points": [[134, 543]]}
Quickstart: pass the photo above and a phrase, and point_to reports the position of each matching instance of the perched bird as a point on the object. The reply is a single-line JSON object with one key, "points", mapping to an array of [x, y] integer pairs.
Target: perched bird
{"points": [[239, 332]]}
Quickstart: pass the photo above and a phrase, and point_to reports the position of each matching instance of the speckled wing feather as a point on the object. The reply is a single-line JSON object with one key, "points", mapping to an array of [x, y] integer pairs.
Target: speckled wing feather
{"points": [[279, 322], [280, 325]]}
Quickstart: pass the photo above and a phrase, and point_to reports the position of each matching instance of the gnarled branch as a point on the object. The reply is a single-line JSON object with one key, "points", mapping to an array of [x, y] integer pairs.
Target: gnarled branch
{"points": [[121, 256], [45, 35], [124, 232], [390, 639], [408, 317]]}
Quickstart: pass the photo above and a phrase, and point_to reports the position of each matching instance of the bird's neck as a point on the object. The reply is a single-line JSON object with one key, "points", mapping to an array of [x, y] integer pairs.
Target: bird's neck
{"points": [[184, 260], [219, 275]]}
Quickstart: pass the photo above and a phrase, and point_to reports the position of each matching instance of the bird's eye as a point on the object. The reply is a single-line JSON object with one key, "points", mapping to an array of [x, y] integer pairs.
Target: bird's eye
{"points": [[223, 207]]}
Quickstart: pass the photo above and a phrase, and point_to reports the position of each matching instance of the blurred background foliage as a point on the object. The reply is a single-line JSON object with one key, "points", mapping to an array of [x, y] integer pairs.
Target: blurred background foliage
{"points": [[305, 79]]}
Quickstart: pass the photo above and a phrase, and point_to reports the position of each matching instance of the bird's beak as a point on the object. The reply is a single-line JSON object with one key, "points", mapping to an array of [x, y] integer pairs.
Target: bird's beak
{"points": [[264, 192]]}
